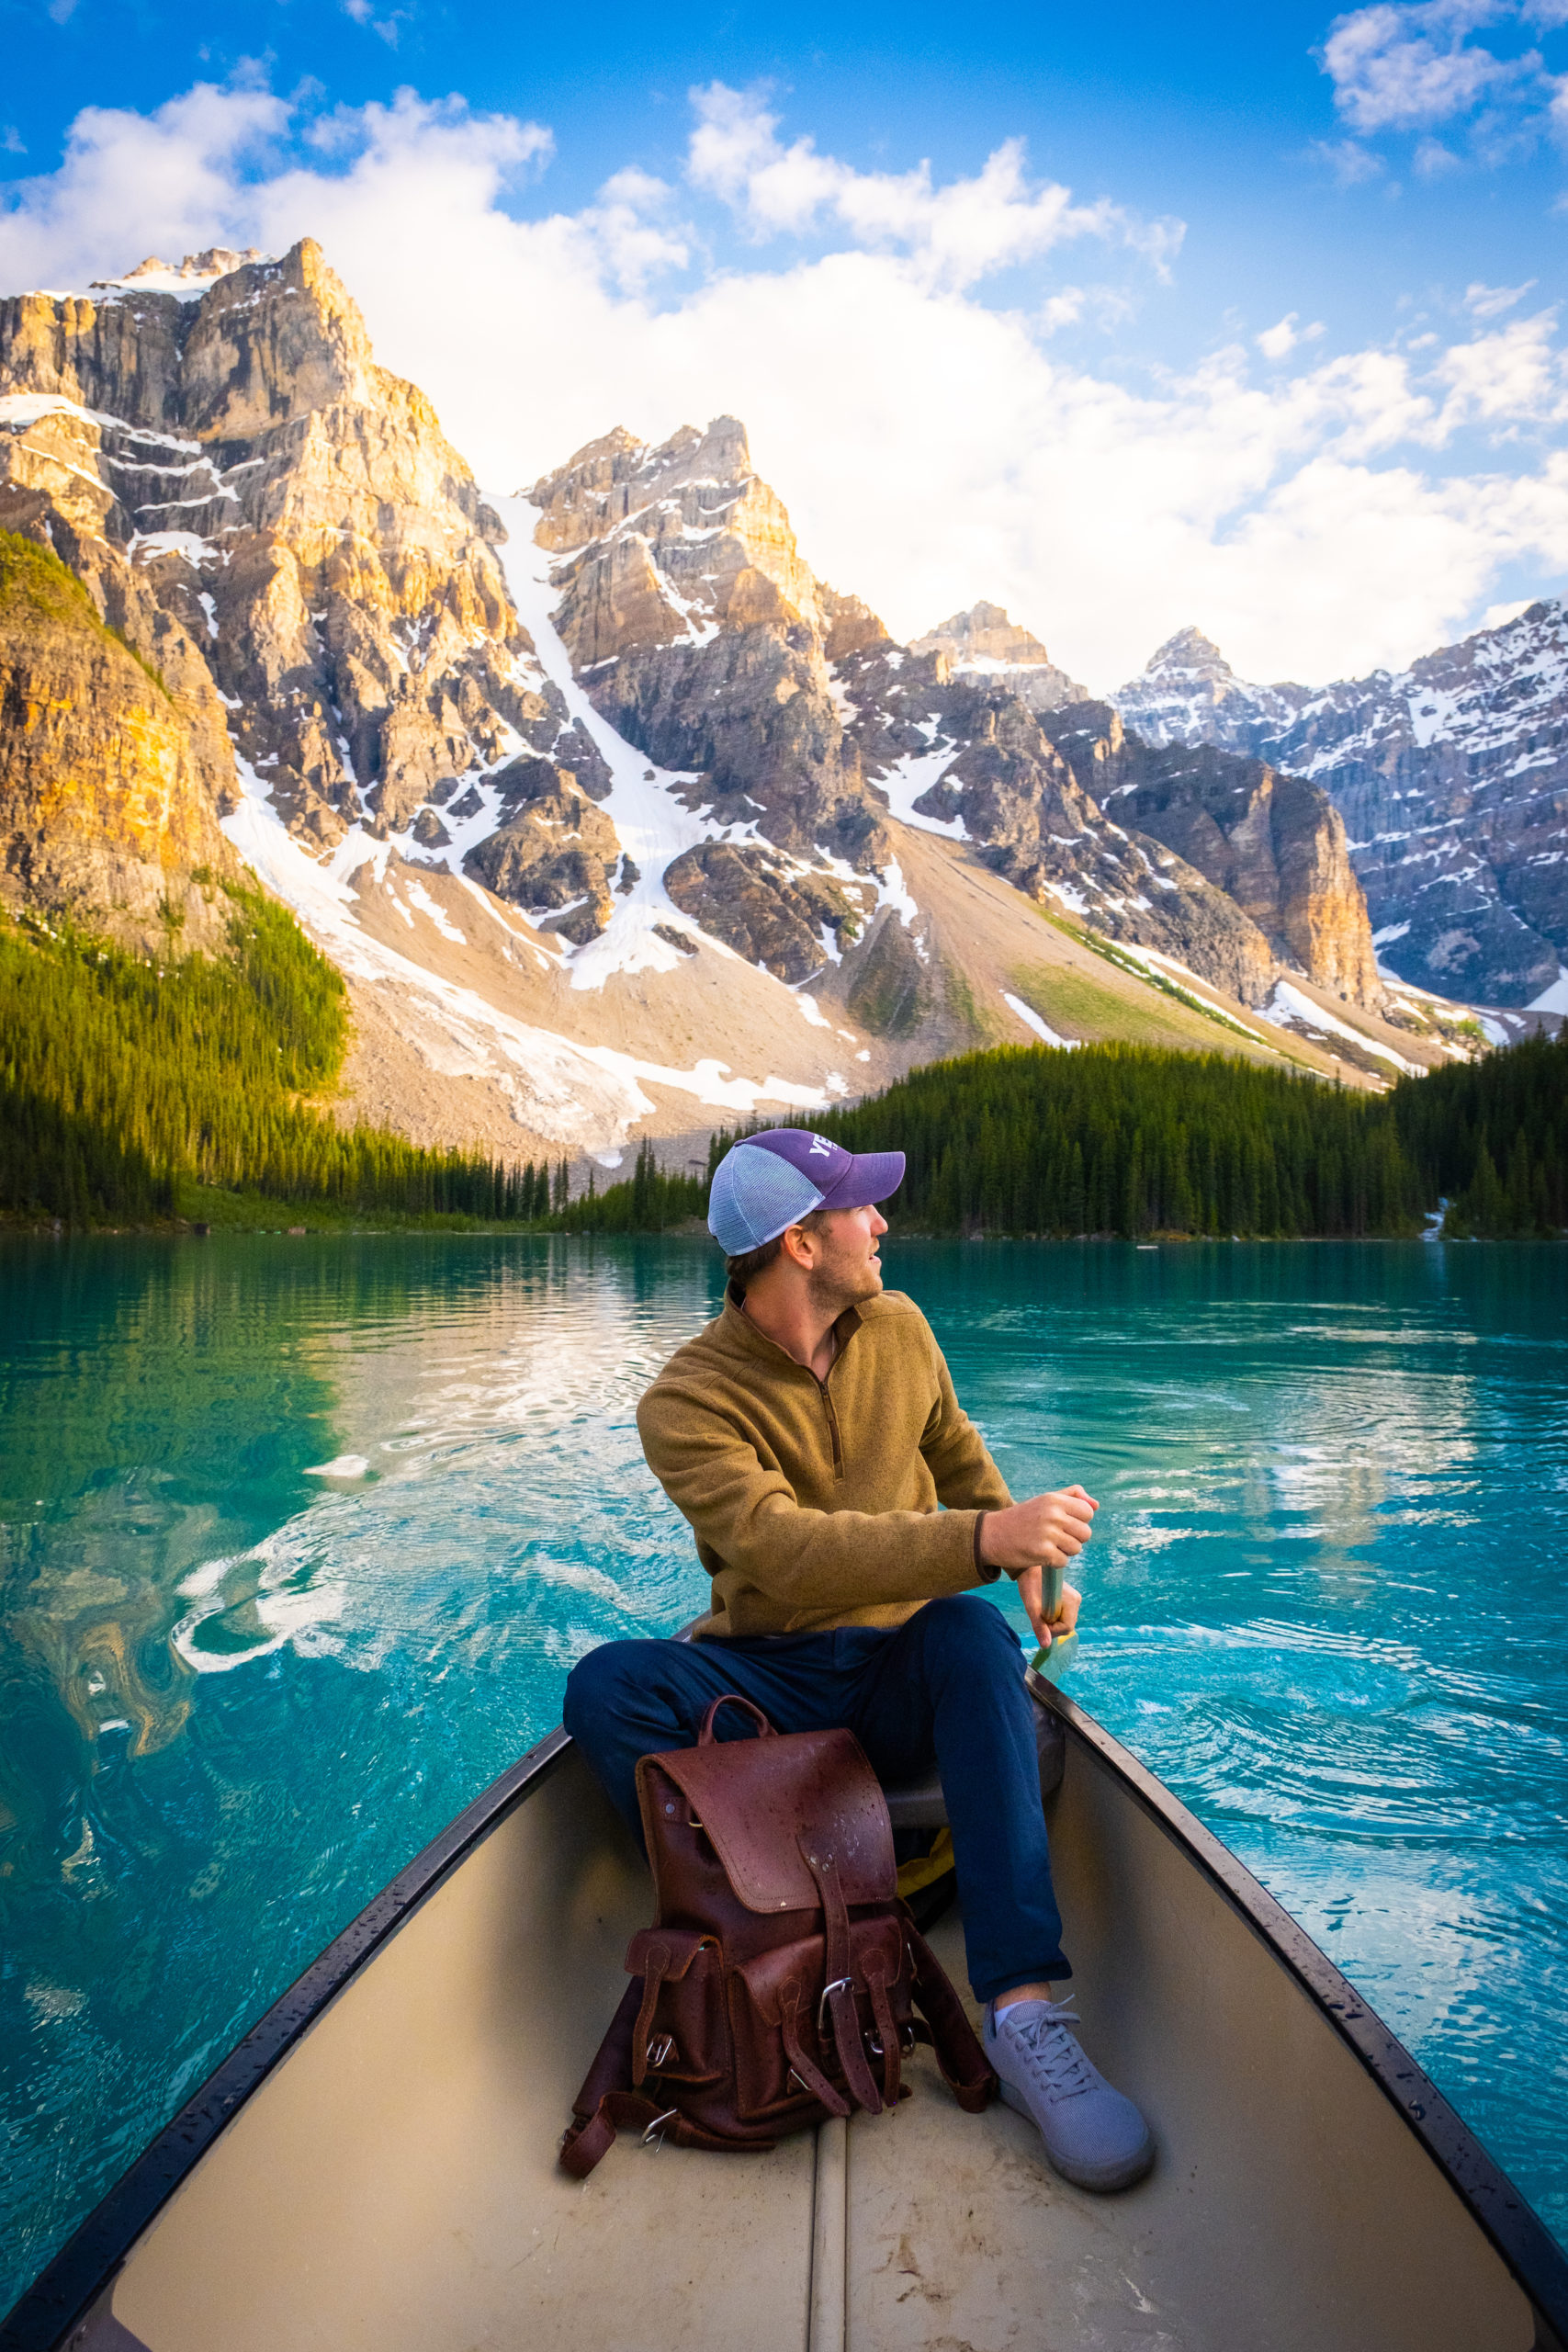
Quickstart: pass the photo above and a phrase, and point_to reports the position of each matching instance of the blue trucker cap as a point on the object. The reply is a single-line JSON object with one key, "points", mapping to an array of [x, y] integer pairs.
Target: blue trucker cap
{"points": [[776, 1179]]}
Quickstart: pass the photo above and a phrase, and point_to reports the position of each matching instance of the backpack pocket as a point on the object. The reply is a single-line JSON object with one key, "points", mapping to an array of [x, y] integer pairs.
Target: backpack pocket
{"points": [[679, 2035], [772, 2021]]}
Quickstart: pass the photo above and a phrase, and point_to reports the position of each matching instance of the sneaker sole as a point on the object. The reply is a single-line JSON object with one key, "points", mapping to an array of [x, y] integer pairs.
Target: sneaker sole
{"points": [[1122, 2174]]}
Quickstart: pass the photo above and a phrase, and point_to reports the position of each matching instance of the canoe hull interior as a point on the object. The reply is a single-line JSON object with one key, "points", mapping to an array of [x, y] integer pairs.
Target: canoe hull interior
{"points": [[392, 2184]]}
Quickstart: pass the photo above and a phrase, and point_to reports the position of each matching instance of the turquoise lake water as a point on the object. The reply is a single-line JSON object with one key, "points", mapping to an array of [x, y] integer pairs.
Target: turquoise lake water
{"points": [[1326, 1600]]}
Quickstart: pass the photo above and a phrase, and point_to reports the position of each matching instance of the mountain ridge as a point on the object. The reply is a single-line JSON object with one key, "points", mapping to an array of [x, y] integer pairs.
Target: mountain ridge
{"points": [[611, 812], [1452, 778]]}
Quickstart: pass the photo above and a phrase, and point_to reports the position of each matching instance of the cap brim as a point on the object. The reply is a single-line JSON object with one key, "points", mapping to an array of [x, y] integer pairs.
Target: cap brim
{"points": [[870, 1176]]}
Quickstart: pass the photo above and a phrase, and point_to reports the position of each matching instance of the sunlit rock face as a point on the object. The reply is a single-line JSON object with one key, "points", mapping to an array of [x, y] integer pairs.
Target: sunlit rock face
{"points": [[104, 812], [703, 637], [278, 524], [985, 645], [1451, 777]]}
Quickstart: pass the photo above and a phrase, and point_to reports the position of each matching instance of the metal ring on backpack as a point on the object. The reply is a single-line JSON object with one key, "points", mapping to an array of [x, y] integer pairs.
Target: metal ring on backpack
{"points": [[656, 2127], [837, 1985]]}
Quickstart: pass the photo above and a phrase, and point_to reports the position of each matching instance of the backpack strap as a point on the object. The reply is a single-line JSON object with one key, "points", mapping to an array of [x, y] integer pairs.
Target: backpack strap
{"points": [[807, 2073], [877, 1981], [964, 2064], [607, 2103], [839, 1997]]}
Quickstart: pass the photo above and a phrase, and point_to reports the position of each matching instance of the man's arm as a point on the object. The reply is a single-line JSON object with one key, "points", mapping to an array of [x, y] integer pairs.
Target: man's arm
{"points": [[806, 1559], [1015, 1537], [956, 1455]]}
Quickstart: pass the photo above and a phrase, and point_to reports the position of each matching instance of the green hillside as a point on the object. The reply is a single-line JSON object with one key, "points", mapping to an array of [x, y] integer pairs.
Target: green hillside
{"points": [[131, 1087]]}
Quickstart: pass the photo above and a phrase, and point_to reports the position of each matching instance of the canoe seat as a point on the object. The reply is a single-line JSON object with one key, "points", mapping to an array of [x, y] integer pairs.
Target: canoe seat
{"points": [[921, 1805], [916, 1804]]}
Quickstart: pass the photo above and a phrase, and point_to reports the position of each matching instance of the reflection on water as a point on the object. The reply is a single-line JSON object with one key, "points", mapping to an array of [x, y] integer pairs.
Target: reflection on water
{"points": [[299, 1539]]}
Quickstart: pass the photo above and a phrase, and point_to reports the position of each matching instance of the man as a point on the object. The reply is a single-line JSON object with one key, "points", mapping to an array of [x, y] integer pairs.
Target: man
{"points": [[809, 1434]]}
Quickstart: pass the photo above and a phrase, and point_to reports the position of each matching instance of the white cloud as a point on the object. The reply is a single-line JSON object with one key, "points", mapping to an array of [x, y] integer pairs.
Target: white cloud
{"points": [[1511, 378], [1490, 301], [167, 182], [929, 448], [1402, 67], [1351, 165], [955, 235], [1278, 341], [1410, 66]]}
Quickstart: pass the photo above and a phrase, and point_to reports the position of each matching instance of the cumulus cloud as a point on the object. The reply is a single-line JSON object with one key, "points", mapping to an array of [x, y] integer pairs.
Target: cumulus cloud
{"points": [[1412, 65], [172, 179], [931, 445], [1280, 340], [954, 235], [1402, 67]]}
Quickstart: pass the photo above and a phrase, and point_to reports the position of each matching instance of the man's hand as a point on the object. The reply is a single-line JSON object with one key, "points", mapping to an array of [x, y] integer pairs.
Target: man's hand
{"points": [[1050, 1529], [1029, 1589]]}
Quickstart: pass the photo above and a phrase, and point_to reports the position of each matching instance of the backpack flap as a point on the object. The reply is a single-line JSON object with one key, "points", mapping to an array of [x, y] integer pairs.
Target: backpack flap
{"points": [[766, 1803]]}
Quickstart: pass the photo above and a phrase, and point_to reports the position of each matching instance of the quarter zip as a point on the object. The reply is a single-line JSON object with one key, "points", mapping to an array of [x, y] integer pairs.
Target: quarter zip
{"points": [[832, 1424]]}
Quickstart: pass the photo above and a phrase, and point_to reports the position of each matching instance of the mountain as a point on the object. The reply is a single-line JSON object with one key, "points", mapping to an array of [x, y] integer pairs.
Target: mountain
{"points": [[106, 805], [983, 642], [613, 815], [1452, 779], [1214, 863]]}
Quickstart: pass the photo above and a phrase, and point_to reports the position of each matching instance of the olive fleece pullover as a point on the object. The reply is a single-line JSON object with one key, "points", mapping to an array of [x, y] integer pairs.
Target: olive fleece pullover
{"points": [[814, 1503]]}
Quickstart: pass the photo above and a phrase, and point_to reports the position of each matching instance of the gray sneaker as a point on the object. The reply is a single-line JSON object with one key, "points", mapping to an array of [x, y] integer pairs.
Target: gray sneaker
{"points": [[1092, 2134]]}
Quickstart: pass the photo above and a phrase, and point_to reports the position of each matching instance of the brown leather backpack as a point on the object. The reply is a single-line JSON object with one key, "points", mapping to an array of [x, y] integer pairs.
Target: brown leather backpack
{"points": [[781, 1982]]}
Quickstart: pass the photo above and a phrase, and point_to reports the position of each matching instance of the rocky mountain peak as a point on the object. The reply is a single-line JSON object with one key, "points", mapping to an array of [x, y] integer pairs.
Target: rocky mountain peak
{"points": [[272, 341], [663, 546], [1189, 651], [193, 275], [279, 526], [985, 642], [982, 634], [1449, 777]]}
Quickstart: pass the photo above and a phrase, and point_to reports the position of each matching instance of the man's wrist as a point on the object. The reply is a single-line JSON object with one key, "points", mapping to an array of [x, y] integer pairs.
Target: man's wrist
{"points": [[985, 1569]]}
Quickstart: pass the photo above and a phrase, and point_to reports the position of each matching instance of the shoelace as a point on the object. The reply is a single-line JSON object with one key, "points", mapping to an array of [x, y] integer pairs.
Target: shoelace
{"points": [[1049, 2051]]}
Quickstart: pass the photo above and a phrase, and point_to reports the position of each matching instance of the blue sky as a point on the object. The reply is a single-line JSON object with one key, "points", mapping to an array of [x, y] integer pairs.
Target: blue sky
{"points": [[961, 385]]}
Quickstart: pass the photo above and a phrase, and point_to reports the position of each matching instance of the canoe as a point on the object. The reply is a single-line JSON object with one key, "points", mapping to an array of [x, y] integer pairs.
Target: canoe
{"points": [[374, 2166]]}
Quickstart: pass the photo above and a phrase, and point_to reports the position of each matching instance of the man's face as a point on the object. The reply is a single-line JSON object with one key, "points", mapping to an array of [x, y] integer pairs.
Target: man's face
{"points": [[848, 1267]]}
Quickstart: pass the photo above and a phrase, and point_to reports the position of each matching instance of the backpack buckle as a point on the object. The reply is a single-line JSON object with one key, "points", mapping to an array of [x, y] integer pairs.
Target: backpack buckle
{"points": [[654, 2137], [837, 1985]]}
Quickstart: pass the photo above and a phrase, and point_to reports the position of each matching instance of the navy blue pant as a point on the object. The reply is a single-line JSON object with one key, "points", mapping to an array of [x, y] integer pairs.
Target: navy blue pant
{"points": [[946, 1688]]}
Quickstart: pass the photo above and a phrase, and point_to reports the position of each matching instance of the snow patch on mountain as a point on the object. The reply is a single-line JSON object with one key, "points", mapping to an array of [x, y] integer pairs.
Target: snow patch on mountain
{"points": [[1032, 1020], [1289, 1008], [913, 775], [644, 804], [561, 1091]]}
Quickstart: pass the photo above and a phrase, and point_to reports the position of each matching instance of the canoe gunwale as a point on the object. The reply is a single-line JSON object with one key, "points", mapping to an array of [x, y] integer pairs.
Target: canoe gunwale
{"points": [[1514, 2228], [85, 2267], [44, 2317]]}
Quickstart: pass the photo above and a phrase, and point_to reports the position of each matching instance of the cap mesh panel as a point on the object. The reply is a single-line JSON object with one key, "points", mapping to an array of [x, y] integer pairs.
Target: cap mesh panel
{"points": [[753, 1196]]}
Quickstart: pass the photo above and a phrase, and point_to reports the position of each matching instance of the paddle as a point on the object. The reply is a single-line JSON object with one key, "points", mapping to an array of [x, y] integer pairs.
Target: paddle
{"points": [[1053, 1661]]}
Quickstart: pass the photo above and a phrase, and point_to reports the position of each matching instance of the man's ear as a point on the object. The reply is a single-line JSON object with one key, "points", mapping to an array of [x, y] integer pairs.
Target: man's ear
{"points": [[799, 1246]]}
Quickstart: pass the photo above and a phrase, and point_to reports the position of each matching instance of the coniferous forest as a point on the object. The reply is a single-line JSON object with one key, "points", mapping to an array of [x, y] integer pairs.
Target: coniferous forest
{"points": [[128, 1081]]}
